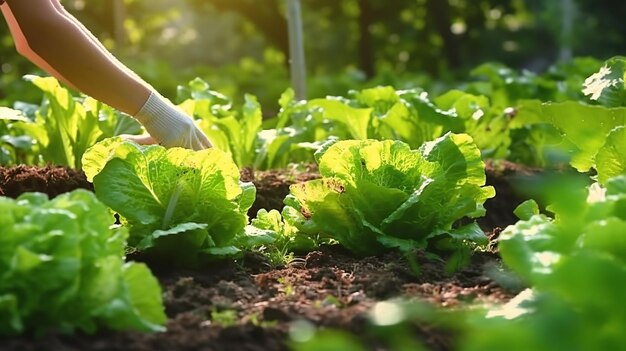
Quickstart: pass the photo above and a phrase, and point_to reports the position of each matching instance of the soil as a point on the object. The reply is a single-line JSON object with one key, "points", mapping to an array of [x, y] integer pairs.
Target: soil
{"points": [[250, 305], [49, 179]]}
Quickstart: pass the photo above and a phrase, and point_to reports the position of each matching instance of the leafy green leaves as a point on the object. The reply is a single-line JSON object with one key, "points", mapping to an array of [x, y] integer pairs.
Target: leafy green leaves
{"points": [[611, 158], [234, 132], [12, 143], [63, 252], [539, 242], [384, 113], [607, 85], [177, 203], [575, 265], [65, 126], [375, 194], [584, 126]]}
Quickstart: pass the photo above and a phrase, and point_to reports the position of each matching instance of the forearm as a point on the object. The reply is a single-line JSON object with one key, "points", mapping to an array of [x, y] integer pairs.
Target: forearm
{"points": [[65, 47], [21, 45], [92, 37], [51, 36]]}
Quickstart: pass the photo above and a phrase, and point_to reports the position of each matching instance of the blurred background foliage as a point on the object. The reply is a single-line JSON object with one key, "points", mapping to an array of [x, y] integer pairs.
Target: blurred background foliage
{"points": [[241, 46]]}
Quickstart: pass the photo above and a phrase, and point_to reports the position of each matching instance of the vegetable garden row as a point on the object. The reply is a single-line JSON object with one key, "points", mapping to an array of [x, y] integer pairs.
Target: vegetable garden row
{"points": [[389, 235]]}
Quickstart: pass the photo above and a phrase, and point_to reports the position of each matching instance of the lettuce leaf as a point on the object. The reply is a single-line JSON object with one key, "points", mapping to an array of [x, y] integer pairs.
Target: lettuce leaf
{"points": [[176, 203], [65, 126], [62, 267], [575, 263], [585, 127], [611, 158], [380, 194], [284, 237], [594, 224]]}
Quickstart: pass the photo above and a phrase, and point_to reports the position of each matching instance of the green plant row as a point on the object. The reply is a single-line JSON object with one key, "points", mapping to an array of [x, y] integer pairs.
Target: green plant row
{"points": [[518, 116], [60, 129], [190, 206]]}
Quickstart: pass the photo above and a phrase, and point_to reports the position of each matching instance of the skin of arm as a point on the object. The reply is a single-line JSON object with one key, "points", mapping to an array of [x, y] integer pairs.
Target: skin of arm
{"points": [[58, 40], [94, 40], [22, 45]]}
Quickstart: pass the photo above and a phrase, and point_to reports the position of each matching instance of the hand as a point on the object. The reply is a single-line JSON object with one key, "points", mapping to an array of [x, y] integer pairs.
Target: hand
{"points": [[170, 126], [177, 130], [143, 139]]}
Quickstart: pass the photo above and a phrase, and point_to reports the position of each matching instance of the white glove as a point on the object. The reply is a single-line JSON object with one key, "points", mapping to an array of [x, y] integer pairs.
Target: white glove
{"points": [[170, 126]]}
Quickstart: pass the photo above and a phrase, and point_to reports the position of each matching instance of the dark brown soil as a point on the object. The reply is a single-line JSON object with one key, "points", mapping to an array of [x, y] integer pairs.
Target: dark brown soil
{"points": [[50, 180], [249, 305], [273, 186], [508, 180]]}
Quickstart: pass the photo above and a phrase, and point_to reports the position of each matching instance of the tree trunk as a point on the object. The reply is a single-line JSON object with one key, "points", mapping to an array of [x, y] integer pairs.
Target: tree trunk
{"points": [[366, 49], [297, 60], [568, 13], [266, 17], [439, 11]]}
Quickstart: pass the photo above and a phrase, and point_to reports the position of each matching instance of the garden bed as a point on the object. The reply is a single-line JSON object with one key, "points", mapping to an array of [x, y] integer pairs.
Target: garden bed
{"points": [[250, 305]]}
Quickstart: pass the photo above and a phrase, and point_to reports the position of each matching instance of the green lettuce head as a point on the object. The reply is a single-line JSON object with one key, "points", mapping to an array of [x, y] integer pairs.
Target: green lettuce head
{"points": [[381, 194], [62, 267], [177, 203]]}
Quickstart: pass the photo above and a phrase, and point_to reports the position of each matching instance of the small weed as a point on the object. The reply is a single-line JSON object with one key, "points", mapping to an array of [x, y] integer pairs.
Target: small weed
{"points": [[288, 288], [254, 320], [225, 318], [278, 258], [329, 300]]}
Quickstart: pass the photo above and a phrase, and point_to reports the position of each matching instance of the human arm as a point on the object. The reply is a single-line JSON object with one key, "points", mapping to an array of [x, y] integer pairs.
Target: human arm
{"points": [[22, 47], [72, 54]]}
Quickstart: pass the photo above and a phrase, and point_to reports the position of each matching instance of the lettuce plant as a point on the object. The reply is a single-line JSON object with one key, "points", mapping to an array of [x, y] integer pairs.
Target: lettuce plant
{"points": [[381, 194], [381, 113], [177, 203], [504, 133], [505, 87], [281, 238], [574, 263], [298, 130], [585, 223], [14, 147], [488, 126], [65, 126], [406, 115], [232, 131], [591, 135], [384, 113], [62, 267], [584, 129]]}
